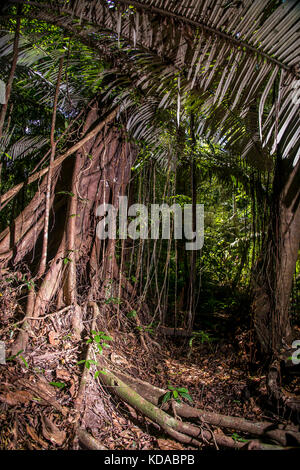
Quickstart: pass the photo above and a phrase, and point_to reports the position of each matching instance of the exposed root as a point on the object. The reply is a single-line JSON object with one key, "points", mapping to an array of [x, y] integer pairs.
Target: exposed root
{"points": [[277, 393], [89, 441], [37, 303], [184, 432], [86, 371], [278, 434]]}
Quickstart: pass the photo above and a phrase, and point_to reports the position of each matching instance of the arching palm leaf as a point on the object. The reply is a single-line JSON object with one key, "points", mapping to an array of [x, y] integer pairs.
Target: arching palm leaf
{"points": [[243, 55]]}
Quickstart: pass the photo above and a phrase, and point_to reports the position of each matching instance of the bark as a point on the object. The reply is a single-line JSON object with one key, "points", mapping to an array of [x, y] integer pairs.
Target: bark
{"points": [[89, 441], [184, 432], [274, 271], [99, 172], [279, 434], [36, 176], [86, 373], [283, 400]]}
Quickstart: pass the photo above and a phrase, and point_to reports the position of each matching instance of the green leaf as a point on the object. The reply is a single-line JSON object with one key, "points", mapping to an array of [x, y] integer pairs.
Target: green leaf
{"points": [[88, 363], [238, 438], [107, 338], [187, 396], [100, 372], [166, 397], [24, 360], [12, 358], [58, 384], [184, 390], [69, 193], [132, 314]]}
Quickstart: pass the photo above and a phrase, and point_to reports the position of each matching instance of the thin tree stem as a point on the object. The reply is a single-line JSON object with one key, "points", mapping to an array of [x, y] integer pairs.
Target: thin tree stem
{"points": [[43, 262]]}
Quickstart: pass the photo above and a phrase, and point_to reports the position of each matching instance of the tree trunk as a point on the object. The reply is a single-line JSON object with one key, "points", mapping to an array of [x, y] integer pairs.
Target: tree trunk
{"points": [[77, 261], [276, 266]]}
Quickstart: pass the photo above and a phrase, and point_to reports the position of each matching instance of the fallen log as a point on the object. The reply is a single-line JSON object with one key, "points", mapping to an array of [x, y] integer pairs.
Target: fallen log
{"points": [[278, 433], [184, 432]]}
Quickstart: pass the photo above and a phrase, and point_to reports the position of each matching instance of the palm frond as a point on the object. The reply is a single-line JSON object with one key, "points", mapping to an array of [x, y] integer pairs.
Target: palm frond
{"points": [[27, 146], [241, 53], [21, 148]]}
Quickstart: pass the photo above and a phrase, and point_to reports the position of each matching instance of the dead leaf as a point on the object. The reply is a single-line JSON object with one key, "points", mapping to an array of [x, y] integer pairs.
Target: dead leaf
{"points": [[43, 390], [72, 389], [16, 398], [63, 374], [132, 411], [51, 432], [126, 434], [52, 336], [168, 444], [219, 432], [31, 432], [117, 359]]}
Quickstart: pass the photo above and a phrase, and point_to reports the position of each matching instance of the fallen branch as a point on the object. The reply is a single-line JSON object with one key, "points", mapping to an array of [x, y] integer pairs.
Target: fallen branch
{"points": [[184, 432], [282, 435]]}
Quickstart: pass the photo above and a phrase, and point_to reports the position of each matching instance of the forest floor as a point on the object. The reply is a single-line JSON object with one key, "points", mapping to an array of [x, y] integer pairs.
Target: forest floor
{"points": [[38, 388]]}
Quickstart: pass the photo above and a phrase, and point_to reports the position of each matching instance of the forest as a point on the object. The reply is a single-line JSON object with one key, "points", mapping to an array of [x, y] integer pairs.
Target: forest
{"points": [[149, 225]]}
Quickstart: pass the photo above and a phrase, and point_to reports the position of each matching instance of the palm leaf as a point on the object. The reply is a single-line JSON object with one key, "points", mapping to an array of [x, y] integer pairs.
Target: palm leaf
{"points": [[232, 57]]}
